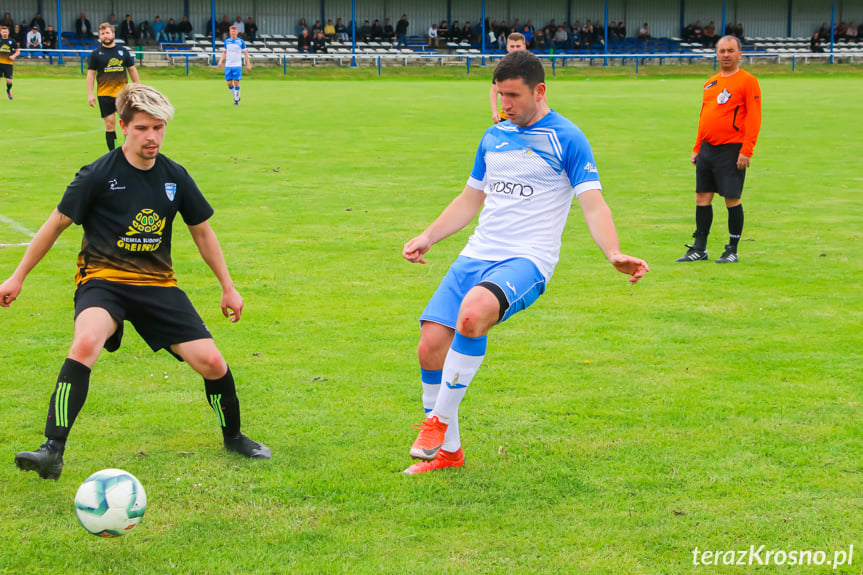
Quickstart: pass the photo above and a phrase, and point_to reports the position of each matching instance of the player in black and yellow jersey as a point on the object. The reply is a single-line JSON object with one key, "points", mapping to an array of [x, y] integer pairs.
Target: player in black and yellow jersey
{"points": [[109, 64], [8, 52], [126, 202]]}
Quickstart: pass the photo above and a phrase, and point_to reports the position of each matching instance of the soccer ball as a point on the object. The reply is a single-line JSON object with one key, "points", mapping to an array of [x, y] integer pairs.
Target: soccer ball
{"points": [[110, 503]]}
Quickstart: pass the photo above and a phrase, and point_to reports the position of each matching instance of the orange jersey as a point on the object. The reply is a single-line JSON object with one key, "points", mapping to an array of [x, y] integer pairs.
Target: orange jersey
{"points": [[730, 112]]}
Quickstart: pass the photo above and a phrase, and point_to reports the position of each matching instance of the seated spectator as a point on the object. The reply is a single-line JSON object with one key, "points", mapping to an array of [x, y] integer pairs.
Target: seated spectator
{"points": [[851, 33], [19, 34], [454, 33], [144, 30], [315, 27], [8, 22], [738, 31], [561, 39], [697, 32], [329, 31], [467, 32], [304, 42], [82, 28], [112, 20], [159, 30], [815, 43], [319, 43], [39, 22], [240, 26], [612, 32], [586, 36], [224, 27], [365, 31], [126, 30], [49, 39], [389, 31], [598, 34], [443, 30], [644, 33], [341, 31], [687, 33], [377, 30], [621, 30], [729, 29], [34, 42], [184, 30], [709, 40], [841, 30], [172, 30], [540, 40], [528, 36], [432, 34]]}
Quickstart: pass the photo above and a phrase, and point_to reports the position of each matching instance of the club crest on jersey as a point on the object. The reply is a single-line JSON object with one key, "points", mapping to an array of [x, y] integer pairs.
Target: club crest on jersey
{"points": [[527, 151], [170, 190], [723, 97]]}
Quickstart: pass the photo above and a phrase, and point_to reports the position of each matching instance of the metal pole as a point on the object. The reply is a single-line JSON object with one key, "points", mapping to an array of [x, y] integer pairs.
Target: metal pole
{"points": [[605, 62], [353, 33], [212, 27], [59, 35], [832, 30], [482, 46], [723, 19]]}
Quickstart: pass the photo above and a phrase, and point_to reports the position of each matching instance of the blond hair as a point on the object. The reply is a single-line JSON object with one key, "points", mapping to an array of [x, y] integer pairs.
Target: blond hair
{"points": [[139, 98], [104, 25], [516, 37]]}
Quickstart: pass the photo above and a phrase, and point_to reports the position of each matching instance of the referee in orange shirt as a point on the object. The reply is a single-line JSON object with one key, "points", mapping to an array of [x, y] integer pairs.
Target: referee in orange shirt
{"points": [[727, 132]]}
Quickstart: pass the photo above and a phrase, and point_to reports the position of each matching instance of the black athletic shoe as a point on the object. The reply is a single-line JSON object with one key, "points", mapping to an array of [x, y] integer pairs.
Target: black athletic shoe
{"points": [[729, 256], [47, 461], [245, 446], [693, 254]]}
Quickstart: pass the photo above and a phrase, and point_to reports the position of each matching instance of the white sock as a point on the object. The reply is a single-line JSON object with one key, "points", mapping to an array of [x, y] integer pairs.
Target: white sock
{"points": [[431, 387], [237, 94], [462, 362], [452, 439]]}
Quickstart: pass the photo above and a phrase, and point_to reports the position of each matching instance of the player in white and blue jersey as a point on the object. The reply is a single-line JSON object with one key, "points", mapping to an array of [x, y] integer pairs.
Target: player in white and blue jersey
{"points": [[232, 58], [526, 173]]}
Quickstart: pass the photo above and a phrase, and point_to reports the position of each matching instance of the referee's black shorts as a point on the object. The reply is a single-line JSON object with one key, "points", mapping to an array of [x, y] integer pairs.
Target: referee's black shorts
{"points": [[716, 170], [107, 105], [6, 71], [163, 316]]}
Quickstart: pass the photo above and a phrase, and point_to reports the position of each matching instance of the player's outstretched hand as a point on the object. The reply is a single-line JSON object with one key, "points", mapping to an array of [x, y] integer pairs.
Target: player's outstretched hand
{"points": [[416, 248], [232, 304], [91, 100], [630, 266], [9, 291]]}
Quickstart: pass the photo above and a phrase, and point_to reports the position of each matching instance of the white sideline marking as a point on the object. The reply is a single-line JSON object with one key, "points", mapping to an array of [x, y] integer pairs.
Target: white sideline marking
{"points": [[55, 136], [17, 227]]}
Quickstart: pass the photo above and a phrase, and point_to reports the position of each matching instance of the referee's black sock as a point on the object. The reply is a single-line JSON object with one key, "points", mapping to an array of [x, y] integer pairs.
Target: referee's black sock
{"points": [[68, 399], [222, 397], [703, 222], [735, 225], [8, 88], [110, 138]]}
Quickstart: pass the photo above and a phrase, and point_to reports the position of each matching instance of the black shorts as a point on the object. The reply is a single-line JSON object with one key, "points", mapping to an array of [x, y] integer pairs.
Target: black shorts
{"points": [[163, 316], [716, 170], [107, 105], [6, 71]]}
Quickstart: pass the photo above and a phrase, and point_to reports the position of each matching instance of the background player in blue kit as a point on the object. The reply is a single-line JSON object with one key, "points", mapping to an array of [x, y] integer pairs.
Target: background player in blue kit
{"points": [[526, 172], [232, 58]]}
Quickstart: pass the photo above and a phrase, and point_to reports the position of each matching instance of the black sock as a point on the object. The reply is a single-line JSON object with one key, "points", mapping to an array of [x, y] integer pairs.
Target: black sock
{"points": [[703, 221], [8, 88], [222, 397], [110, 138], [68, 399], [735, 225]]}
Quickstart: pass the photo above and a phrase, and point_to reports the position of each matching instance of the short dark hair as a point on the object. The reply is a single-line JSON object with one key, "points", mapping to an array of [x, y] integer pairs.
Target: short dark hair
{"points": [[520, 64]]}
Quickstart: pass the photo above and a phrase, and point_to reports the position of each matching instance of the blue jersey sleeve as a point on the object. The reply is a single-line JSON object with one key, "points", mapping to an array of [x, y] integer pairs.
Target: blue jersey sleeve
{"points": [[477, 174], [579, 163]]}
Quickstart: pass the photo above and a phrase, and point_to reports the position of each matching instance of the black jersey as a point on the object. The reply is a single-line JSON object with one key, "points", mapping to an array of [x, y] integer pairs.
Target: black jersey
{"points": [[7, 48], [111, 65], [127, 215]]}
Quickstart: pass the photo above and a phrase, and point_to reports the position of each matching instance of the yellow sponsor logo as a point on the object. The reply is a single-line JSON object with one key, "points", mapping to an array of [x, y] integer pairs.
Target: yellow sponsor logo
{"points": [[145, 233]]}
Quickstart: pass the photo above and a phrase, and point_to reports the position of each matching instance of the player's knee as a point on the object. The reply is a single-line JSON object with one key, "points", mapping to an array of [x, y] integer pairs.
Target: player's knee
{"points": [[211, 364], [85, 347]]}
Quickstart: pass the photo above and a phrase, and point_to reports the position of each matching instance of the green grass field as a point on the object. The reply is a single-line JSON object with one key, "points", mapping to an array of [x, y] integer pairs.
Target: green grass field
{"points": [[612, 429]]}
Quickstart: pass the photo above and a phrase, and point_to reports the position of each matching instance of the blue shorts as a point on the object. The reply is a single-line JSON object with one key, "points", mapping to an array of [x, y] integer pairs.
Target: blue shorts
{"points": [[233, 73], [519, 283]]}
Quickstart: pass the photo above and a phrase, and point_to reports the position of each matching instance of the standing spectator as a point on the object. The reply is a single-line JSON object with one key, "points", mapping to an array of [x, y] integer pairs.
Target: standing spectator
{"points": [[240, 26], [512, 253], [127, 30], [117, 282], [109, 64], [319, 43], [39, 22], [172, 30], [34, 42], [727, 133], [232, 58], [432, 34], [9, 50], [304, 43], [184, 29], [49, 38], [402, 32], [82, 27], [159, 30], [300, 27], [251, 30], [330, 31]]}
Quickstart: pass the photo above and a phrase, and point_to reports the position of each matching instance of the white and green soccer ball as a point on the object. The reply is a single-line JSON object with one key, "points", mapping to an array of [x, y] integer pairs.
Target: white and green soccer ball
{"points": [[110, 503]]}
